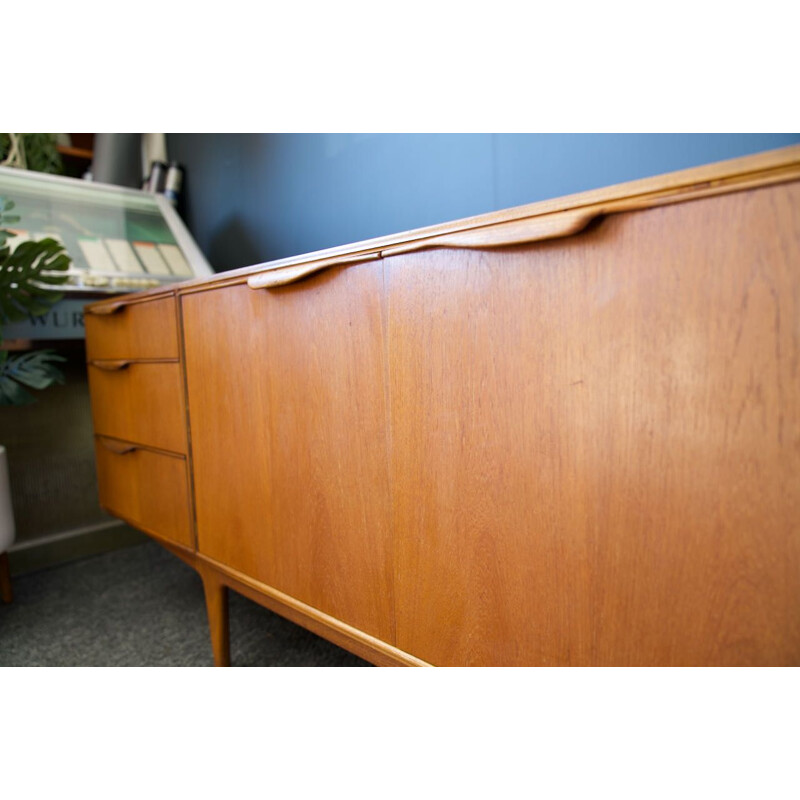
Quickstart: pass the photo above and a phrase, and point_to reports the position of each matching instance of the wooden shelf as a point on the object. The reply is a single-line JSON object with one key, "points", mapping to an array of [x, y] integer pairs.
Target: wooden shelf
{"points": [[75, 152]]}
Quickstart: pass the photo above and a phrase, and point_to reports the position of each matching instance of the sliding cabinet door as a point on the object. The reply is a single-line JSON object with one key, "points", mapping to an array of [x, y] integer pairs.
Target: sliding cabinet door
{"points": [[289, 439], [596, 442]]}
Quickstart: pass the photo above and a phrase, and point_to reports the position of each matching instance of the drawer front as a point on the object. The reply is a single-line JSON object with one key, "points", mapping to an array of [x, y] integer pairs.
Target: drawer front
{"points": [[139, 402], [133, 330], [147, 489]]}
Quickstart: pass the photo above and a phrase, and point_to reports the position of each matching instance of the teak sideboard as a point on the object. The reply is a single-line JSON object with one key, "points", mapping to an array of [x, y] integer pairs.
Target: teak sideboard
{"points": [[563, 434]]}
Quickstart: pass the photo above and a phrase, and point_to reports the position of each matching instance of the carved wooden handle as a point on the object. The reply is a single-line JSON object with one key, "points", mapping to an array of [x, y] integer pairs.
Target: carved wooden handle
{"points": [[118, 447], [111, 366], [283, 277], [105, 310], [505, 234]]}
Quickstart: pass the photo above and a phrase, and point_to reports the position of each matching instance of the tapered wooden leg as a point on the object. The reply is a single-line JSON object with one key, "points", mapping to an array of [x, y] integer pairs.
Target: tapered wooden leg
{"points": [[217, 605], [5, 579]]}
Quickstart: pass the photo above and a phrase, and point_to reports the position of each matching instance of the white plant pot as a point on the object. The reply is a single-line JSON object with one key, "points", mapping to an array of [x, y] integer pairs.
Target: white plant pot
{"points": [[7, 529]]}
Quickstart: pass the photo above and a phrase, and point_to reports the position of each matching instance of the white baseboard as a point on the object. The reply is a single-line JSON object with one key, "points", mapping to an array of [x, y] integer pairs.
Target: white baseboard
{"points": [[42, 541], [59, 548]]}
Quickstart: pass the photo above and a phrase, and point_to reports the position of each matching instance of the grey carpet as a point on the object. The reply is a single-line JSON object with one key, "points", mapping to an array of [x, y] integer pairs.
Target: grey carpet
{"points": [[142, 606]]}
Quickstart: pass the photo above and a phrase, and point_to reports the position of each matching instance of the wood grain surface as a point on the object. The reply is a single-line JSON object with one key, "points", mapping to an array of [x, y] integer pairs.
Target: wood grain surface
{"points": [[146, 488], [136, 330], [289, 436], [140, 402], [583, 451], [596, 442]]}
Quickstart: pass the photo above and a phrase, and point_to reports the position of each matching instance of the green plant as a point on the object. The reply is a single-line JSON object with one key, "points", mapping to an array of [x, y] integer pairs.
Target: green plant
{"points": [[35, 151], [30, 276]]}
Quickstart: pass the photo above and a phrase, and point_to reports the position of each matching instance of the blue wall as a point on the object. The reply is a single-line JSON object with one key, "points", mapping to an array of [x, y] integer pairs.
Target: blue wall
{"points": [[250, 198]]}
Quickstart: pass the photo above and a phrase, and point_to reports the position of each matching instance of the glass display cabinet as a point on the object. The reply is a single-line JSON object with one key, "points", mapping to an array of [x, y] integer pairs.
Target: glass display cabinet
{"points": [[119, 240]]}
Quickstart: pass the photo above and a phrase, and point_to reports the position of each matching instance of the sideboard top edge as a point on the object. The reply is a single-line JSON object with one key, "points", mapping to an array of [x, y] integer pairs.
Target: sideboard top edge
{"points": [[684, 183]]}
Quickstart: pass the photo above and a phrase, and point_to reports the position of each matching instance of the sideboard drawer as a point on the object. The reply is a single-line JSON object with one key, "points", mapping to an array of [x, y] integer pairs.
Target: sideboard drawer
{"points": [[142, 330], [140, 402], [147, 489]]}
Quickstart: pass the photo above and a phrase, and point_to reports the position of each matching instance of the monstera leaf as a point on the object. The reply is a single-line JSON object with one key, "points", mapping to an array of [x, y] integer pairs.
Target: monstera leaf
{"points": [[34, 369], [29, 278]]}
